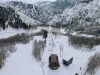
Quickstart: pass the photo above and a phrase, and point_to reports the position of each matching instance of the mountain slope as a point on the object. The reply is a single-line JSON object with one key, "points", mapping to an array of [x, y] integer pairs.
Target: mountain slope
{"points": [[85, 15], [41, 11], [80, 16], [28, 20], [75, 14], [10, 17]]}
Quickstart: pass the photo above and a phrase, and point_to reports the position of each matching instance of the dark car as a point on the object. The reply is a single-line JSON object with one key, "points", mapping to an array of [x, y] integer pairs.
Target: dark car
{"points": [[54, 62]]}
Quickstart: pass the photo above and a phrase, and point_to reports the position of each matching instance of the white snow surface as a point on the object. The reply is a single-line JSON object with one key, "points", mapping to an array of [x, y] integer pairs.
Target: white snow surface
{"points": [[10, 32], [23, 63]]}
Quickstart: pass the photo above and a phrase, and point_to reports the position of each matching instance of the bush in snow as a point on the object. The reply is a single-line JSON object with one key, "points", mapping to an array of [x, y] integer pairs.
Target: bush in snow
{"points": [[17, 39], [94, 64], [38, 49], [4, 52], [2, 57], [11, 48], [7, 45], [1, 61], [79, 42]]}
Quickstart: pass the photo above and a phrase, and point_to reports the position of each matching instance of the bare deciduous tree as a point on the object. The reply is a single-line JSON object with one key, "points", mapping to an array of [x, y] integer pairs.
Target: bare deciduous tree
{"points": [[38, 49], [94, 64]]}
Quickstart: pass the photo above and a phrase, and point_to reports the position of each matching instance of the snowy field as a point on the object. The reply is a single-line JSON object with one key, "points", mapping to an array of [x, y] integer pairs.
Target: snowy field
{"points": [[9, 32], [23, 63]]}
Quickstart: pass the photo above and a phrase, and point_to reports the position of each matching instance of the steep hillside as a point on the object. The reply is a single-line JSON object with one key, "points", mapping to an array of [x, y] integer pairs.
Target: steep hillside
{"points": [[83, 15], [10, 17], [42, 11], [75, 14]]}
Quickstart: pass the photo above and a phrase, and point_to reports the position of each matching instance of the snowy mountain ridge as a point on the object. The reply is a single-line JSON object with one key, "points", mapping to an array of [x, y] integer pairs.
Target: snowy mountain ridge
{"points": [[61, 11], [75, 14], [12, 18], [41, 11], [80, 16]]}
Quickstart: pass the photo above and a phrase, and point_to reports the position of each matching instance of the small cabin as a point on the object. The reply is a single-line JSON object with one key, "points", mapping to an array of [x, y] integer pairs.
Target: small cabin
{"points": [[53, 62]]}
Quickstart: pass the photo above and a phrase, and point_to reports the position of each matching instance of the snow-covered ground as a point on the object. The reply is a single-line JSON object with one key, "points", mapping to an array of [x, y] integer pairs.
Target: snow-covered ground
{"points": [[9, 32], [23, 63], [80, 57]]}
